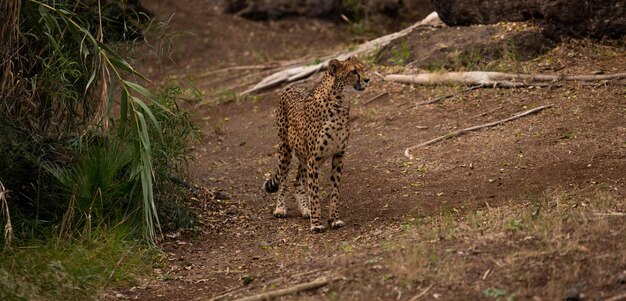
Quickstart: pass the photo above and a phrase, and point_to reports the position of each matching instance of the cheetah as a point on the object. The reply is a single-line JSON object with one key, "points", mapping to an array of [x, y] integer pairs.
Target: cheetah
{"points": [[313, 126]]}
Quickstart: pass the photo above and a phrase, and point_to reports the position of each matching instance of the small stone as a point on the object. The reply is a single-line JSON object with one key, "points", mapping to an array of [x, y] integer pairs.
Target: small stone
{"points": [[572, 294], [621, 279], [247, 279], [268, 243], [232, 210], [222, 195]]}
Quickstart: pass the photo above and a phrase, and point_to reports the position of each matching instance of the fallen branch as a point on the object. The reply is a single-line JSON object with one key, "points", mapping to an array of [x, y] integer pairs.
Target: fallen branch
{"points": [[226, 292], [620, 297], [375, 98], [494, 79], [407, 152], [610, 214], [303, 71], [487, 113], [422, 293], [448, 96], [291, 290]]}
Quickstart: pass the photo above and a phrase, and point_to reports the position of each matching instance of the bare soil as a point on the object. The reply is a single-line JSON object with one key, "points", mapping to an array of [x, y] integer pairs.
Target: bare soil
{"points": [[410, 224]]}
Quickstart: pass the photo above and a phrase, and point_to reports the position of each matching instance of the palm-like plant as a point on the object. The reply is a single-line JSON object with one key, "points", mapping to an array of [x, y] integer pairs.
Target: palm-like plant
{"points": [[61, 78]]}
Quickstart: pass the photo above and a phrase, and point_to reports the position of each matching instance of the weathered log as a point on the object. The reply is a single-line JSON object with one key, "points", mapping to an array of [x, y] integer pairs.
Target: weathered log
{"points": [[302, 71], [495, 79]]}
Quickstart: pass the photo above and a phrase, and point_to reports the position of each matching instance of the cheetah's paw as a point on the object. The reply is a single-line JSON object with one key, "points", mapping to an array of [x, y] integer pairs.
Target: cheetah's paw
{"points": [[280, 213], [306, 212], [336, 224], [317, 228]]}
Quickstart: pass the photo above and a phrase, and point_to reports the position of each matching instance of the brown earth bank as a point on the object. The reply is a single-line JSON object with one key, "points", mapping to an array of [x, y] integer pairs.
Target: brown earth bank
{"points": [[529, 210]]}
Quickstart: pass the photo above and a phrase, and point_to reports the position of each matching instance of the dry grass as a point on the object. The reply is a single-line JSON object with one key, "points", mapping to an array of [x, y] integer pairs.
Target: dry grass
{"points": [[4, 213], [9, 47], [535, 248]]}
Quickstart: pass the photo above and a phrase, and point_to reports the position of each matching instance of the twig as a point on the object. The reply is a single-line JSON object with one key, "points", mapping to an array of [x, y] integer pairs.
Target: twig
{"points": [[306, 273], [621, 297], [290, 290], [375, 98], [116, 266], [448, 96], [379, 75], [610, 214], [487, 113], [226, 292], [407, 152], [422, 293], [486, 274], [250, 286]]}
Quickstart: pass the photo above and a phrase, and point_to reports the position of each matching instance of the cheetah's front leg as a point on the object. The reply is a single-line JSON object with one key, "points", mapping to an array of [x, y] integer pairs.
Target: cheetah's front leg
{"points": [[313, 193], [335, 180]]}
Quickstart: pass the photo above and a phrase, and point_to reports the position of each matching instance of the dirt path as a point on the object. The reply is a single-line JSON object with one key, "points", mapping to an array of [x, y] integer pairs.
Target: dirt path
{"points": [[575, 146]]}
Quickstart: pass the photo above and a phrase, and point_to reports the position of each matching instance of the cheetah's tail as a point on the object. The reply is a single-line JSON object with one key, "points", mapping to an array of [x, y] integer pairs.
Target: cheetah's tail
{"points": [[272, 184]]}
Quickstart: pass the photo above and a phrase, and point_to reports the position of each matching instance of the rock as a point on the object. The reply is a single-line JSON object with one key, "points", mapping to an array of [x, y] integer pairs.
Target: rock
{"points": [[594, 18], [232, 210], [558, 18], [572, 294], [469, 12], [455, 47], [621, 279], [221, 196], [247, 279]]}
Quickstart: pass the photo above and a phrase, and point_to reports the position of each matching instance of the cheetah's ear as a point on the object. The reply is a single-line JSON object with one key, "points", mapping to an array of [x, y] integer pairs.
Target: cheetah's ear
{"points": [[333, 66]]}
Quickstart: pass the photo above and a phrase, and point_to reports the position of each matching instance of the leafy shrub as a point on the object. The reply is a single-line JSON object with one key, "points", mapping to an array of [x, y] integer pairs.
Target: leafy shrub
{"points": [[86, 143]]}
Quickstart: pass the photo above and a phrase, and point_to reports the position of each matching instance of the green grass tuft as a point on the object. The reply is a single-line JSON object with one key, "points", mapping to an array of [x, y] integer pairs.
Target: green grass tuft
{"points": [[74, 269]]}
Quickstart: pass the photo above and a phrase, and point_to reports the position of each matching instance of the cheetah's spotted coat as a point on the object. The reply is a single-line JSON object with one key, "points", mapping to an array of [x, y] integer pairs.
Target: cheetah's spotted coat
{"points": [[313, 125]]}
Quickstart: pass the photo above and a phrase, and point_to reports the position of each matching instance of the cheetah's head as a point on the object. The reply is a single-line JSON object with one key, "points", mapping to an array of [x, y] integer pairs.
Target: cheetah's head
{"points": [[350, 72]]}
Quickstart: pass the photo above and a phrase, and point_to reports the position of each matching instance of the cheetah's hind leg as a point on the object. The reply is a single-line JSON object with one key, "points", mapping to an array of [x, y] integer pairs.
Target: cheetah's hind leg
{"points": [[277, 183], [300, 193]]}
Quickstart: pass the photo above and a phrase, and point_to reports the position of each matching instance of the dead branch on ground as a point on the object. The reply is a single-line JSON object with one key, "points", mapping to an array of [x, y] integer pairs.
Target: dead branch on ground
{"points": [[302, 71], [620, 297], [448, 96], [407, 152], [487, 113], [375, 98], [422, 293], [290, 290], [610, 214], [222, 295], [494, 79]]}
